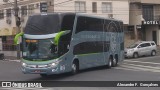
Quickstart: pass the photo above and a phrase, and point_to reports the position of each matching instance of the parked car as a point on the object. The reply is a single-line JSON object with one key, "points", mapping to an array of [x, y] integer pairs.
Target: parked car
{"points": [[141, 48]]}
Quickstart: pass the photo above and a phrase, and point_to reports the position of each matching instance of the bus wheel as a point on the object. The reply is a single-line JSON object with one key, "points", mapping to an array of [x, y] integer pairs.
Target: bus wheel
{"points": [[74, 68], [110, 63], [115, 61], [44, 75]]}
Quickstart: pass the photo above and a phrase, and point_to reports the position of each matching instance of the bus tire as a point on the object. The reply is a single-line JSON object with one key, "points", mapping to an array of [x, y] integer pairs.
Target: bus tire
{"points": [[110, 62], [44, 75], [115, 61], [75, 67]]}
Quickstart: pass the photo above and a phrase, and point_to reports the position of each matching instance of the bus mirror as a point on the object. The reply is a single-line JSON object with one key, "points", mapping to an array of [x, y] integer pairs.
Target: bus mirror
{"points": [[16, 38]]}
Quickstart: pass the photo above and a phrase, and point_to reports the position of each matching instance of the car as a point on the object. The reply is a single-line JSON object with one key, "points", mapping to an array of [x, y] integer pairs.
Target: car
{"points": [[141, 48]]}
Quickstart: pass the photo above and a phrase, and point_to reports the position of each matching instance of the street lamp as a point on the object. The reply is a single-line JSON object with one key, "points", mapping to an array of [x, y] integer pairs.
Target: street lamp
{"points": [[18, 22]]}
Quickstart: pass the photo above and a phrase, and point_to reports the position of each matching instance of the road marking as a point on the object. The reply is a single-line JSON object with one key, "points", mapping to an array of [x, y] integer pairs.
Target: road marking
{"points": [[124, 68], [134, 67], [144, 66], [142, 62]]}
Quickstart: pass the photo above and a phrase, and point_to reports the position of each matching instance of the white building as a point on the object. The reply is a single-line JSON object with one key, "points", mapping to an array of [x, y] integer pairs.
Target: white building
{"points": [[117, 9], [145, 20]]}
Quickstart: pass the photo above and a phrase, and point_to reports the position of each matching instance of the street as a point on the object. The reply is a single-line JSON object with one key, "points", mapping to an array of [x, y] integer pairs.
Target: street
{"points": [[141, 69], [144, 68], [130, 69]]}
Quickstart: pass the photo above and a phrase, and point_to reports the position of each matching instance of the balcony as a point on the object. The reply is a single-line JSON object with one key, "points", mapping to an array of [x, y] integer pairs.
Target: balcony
{"points": [[145, 1], [135, 1]]}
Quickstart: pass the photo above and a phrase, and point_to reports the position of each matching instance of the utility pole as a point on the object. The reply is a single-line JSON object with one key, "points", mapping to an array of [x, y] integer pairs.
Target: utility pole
{"points": [[53, 5], [17, 19], [18, 22]]}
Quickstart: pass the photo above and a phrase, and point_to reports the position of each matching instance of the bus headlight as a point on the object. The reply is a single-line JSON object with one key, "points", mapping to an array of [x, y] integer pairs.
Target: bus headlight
{"points": [[24, 64], [54, 64]]}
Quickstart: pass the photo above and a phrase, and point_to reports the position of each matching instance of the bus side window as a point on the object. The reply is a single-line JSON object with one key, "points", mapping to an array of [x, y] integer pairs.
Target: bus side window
{"points": [[64, 43]]}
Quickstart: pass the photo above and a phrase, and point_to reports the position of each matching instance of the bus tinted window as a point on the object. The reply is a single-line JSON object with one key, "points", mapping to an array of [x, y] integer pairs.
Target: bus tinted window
{"points": [[67, 22], [89, 24], [91, 47]]}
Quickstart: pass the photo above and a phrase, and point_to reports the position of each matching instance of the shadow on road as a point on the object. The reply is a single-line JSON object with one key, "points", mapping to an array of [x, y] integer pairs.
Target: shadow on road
{"points": [[67, 75]]}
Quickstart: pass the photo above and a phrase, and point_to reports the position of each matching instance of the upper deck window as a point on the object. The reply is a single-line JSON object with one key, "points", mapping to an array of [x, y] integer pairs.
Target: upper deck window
{"points": [[80, 6], [89, 24]]}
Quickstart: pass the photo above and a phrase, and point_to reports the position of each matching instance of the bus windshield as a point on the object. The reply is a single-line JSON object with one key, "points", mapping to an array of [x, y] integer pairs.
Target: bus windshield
{"points": [[39, 49], [42, 24]]}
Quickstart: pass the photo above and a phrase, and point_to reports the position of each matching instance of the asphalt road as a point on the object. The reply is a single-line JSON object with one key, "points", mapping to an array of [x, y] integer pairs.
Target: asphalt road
{"points": [[141, 69]]}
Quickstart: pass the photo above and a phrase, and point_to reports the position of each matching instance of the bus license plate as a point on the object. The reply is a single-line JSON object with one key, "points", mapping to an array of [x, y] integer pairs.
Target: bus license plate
{"points": [[37, 71]]}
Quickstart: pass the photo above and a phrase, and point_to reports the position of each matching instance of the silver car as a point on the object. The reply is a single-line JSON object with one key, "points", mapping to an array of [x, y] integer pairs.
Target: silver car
{"points": [[141, 48]]}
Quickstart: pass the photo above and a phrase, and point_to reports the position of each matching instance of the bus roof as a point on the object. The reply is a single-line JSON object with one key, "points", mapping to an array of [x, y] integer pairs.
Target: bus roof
{"points": [[78, 14]]}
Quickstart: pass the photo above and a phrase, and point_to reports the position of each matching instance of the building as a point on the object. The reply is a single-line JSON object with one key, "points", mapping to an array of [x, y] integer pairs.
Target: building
{"points": [[144, 21], [117, 9]]}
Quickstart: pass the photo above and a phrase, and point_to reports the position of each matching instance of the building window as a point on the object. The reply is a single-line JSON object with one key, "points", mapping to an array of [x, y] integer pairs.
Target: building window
{"points": [[8, 44], [1, 14], [148, 12], [24, 10], [8, 13], [80, 6], [94, 7], [106, 7], [30, 9]]}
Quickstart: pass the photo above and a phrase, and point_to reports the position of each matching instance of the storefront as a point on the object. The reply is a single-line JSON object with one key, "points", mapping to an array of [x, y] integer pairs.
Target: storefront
{"points": [[6, 39], [152, 31]]}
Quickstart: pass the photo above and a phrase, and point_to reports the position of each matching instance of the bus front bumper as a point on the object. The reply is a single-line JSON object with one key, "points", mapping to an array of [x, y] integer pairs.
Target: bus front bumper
{"points": [[40, 70], [44, 70]]}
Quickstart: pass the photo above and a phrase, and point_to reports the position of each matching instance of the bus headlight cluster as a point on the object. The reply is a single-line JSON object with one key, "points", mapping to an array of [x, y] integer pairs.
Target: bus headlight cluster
{"points": [[54, 64], [24, 64]]}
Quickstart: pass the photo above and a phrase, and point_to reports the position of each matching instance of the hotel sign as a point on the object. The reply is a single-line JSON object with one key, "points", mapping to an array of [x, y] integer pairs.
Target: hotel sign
{"points": [[43, 7], [150, 22]]}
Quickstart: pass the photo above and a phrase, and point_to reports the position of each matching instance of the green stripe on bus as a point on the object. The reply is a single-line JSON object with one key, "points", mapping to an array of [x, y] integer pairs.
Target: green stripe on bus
{"points": [[56, 39], [17, 37], [87, 54]]}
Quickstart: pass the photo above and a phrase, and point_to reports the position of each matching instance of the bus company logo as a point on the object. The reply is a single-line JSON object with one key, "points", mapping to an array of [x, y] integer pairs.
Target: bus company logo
{"points": [[113, 43], [6, 84]]}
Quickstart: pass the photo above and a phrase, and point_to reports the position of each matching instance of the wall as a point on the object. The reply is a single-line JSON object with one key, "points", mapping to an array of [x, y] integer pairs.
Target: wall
{"points": [[150, 1], [135, 15], [149, 30], [120, 8]]}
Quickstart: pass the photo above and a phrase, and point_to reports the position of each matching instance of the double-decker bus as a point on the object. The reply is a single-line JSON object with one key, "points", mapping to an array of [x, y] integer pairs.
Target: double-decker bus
{"points": [[67, 42]]}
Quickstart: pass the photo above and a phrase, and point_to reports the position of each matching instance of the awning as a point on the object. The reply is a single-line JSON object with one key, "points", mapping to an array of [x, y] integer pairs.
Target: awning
{"points": [[8, 31]]}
